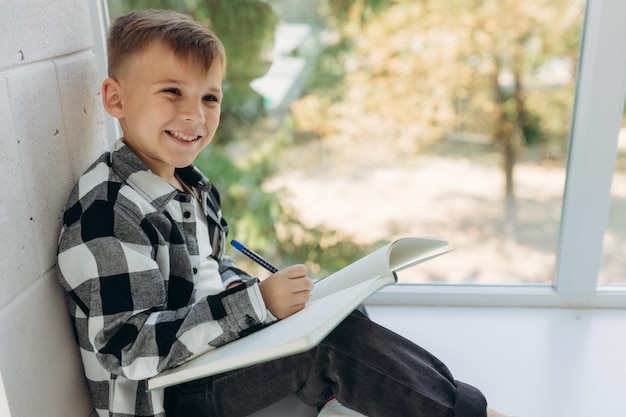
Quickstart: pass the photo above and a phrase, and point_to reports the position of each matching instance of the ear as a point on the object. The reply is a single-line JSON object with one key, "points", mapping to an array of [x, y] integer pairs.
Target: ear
{"points": [[112, 94]]}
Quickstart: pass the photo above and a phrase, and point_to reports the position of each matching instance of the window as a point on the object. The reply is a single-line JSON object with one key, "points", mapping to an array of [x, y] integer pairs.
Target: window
{"points": [[450, 119], [406, 122]]}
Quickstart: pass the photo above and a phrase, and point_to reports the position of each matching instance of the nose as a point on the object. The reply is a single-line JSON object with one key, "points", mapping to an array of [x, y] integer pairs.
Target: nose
{"points": [[193, 111]]}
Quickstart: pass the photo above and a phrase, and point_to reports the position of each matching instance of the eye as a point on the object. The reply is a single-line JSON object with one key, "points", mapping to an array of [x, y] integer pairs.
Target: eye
{"points": [[174, 91], [211, 97]]}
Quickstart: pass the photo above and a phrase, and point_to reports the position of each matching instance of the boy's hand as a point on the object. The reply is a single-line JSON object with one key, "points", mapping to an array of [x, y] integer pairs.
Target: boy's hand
{"points": [[286, 291]]}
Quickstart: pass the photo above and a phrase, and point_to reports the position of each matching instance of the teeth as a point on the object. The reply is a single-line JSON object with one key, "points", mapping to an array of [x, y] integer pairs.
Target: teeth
{"points": [[181, 136]]}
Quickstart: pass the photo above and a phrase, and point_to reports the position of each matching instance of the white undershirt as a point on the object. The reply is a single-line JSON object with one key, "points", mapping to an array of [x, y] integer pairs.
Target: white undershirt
{"points": [[209, 279]]}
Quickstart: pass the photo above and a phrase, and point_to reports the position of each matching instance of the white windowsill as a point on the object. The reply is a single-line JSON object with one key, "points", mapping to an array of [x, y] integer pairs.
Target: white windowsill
{"points": [[491, 296], [529, 362]]}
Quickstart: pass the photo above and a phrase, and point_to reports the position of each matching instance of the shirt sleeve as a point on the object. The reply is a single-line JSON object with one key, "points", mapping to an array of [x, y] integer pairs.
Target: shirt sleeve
{"points": [[110, 269], [230, 272]]}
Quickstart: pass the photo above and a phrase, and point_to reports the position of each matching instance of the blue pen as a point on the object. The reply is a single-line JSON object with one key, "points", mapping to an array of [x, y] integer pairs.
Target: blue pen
{"points": [[254, 256]]}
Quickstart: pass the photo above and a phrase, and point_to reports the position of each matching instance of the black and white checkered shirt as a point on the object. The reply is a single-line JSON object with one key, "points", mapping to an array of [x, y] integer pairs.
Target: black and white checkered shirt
{"points": [[128, 261]]}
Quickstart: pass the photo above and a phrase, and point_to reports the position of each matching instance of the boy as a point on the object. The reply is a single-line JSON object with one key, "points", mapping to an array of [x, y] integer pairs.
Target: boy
{"points": [[141, 257]]}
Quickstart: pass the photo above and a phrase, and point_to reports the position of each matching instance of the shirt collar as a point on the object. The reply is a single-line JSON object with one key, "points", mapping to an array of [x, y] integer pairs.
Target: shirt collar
{"points": [[155, 189]]}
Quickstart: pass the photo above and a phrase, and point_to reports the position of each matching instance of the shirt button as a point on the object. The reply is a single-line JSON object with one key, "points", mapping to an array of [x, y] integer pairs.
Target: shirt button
{"points": [[186, 214], [182, 198]]}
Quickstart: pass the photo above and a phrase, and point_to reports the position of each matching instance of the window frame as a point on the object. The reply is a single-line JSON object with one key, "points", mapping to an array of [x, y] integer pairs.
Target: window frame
{"points": [[597, 115]]}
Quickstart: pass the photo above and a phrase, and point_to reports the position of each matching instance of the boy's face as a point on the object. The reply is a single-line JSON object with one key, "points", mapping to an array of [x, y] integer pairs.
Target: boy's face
{"points": [[168, 108]]}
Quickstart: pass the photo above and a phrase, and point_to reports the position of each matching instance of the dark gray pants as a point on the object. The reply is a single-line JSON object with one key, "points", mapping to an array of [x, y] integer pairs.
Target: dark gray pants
{"points": [[366, 366]]}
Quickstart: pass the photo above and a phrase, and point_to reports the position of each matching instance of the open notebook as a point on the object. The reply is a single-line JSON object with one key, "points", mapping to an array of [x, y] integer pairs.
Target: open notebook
{"points": [[333, 299]]}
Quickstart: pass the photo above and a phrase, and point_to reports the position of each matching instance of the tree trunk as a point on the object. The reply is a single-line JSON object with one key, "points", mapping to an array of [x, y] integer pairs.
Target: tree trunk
{"points": [[505, 136]]}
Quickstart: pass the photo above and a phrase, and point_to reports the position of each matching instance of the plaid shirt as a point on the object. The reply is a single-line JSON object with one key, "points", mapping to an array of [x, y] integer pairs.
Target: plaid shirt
{"points": [[128, 261]]}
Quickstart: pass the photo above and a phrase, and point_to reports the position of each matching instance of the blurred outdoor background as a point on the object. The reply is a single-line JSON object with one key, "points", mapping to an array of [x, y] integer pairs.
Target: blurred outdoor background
{"points": [[348, 123]]}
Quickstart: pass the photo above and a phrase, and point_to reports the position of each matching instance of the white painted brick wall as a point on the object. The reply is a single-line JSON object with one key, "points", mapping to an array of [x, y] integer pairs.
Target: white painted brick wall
{"points": [[38, 30], [52, 127]]}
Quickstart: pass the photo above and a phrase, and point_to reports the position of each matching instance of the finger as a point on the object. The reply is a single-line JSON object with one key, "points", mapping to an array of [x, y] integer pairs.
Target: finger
{"points": [[296, 308], [302, 284], [296, 271], [301, 297]]}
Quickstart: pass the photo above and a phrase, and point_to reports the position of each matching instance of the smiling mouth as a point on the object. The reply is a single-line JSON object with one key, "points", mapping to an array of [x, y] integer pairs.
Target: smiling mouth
{"points": [[182, 136]]}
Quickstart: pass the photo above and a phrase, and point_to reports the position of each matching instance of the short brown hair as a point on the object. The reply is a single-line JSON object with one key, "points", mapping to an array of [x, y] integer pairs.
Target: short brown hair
{"points": [[131, 33]]}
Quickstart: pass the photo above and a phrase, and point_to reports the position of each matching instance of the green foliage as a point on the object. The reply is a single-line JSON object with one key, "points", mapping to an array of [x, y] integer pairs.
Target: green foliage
{"points": [[530, 122], [246, 28], [241, 108], [347, 12], [329, 74]]}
